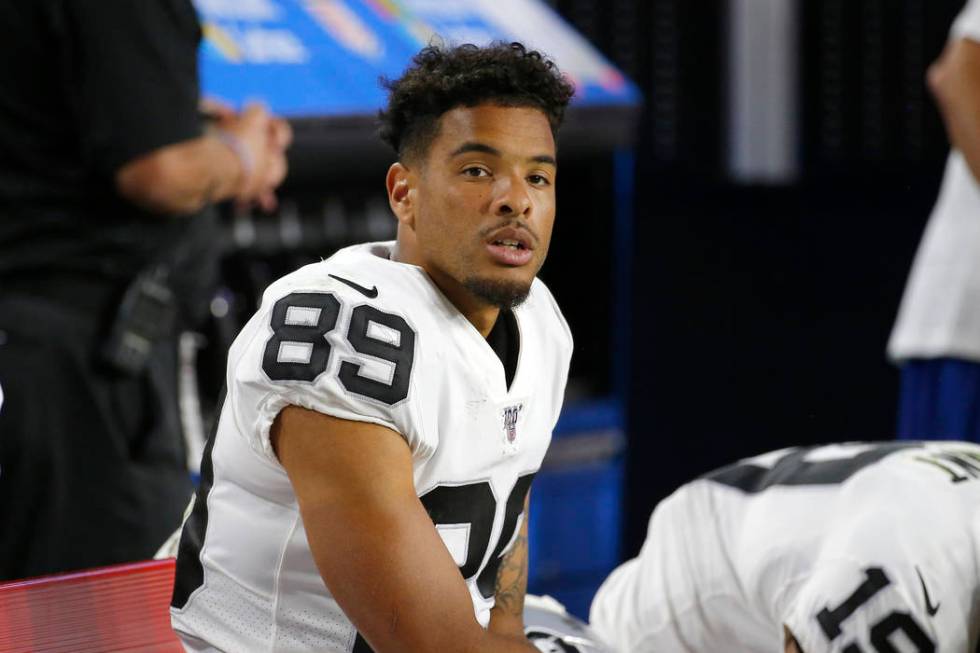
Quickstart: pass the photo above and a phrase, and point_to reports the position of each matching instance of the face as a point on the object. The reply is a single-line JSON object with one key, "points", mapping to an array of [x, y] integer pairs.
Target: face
{"points": [[477, 212]]}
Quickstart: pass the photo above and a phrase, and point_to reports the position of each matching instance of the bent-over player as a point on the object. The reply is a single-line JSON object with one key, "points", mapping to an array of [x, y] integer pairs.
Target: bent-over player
{"points": [[845, 548], [367, 483]]}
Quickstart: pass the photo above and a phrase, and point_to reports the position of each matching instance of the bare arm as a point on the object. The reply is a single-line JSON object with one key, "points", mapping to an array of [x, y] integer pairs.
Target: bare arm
{"points": [[373, 542], [182, 178], [507, 615], [791, 646], [954, 80]]}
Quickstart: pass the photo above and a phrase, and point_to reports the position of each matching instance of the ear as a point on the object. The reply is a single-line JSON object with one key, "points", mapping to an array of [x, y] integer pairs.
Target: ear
{"points": [[400, 183]]}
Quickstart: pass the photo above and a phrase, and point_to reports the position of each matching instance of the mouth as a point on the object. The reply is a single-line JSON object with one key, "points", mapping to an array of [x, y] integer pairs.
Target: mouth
{"points": [[511, 247], [513, 244], [516, 239]]}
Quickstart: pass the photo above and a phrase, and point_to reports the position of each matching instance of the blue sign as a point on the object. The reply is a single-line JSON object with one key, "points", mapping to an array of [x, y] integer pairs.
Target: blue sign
{"points": [[313, 58]]}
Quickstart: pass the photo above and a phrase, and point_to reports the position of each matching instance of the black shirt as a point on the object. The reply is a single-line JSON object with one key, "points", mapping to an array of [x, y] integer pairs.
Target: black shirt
{"points": [[85, 87]]}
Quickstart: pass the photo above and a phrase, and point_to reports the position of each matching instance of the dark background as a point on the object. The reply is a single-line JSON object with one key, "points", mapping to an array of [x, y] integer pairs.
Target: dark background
{"points": [[760, 315]]}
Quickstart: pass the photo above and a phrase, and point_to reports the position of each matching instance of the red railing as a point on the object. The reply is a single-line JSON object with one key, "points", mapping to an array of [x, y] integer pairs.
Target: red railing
{"points": [[119, 608]]}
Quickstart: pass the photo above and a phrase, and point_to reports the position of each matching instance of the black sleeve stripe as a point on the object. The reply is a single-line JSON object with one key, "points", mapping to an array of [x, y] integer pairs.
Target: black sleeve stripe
{"points": [[794, 469]]}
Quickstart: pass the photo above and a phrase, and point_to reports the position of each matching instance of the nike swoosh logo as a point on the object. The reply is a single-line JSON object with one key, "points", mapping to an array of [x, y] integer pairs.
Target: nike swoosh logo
{"points": [[930, 608], [369, 293]]}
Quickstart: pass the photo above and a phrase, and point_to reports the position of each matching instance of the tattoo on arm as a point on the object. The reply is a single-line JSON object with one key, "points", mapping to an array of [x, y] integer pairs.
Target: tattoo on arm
{"points": [[512, 576]]}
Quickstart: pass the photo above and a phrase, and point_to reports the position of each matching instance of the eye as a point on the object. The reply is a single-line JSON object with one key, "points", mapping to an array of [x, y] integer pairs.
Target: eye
{"points": [[539, 180], [476, 171]]}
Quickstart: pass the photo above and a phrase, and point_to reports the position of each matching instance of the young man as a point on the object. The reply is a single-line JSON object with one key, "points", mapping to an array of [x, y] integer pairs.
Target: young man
{"points": [[366, 487], [843, 548]]}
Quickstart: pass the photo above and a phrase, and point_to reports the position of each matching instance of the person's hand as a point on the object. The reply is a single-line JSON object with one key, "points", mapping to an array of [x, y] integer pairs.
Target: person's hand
{"points": [[280, 137], [260, 140]]}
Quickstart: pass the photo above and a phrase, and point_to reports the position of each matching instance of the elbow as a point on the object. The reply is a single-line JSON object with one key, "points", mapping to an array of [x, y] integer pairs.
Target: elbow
{"points": [[954, 79], [939, 80], [162, 182]]}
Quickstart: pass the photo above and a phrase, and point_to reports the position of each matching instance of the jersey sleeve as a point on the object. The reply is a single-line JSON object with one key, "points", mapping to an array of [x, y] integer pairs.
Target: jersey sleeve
{"points": [[326, 349], [847, 606], [967, 23]]}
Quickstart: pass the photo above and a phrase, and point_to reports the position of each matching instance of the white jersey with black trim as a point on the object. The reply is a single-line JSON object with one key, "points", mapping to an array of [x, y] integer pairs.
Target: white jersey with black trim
{"points": [[363, 338], [856, 548]]}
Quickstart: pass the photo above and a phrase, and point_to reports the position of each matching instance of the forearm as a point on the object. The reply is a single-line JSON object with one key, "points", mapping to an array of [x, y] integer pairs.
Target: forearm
{"points": [[372, 540], [955, 83], [498, 643], [184, 177], [507, 616], [392, 625], [963, 127]]}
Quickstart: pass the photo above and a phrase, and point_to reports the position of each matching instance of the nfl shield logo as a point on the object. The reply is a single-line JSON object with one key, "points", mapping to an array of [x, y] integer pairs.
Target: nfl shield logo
{"points": [[511, 414]]}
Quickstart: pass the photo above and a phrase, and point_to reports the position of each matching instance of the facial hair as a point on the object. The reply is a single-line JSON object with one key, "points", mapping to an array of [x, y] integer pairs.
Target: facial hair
{"points": [[502, 294]]}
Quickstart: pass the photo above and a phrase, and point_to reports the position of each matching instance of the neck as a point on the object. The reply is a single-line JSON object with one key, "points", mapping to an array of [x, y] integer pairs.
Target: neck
{"points": [[478, 312]]}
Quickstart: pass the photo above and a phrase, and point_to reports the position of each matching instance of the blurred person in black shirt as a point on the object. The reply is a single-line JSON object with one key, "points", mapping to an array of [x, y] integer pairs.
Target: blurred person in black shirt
{"points": [[107, 248]]}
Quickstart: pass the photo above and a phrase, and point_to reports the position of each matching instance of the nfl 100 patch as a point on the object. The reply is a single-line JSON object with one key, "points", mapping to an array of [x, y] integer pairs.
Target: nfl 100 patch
{"points": [[511, 419]]}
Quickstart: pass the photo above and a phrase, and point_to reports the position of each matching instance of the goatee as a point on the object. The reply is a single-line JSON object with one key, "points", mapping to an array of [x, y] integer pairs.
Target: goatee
{"points": [[502, 294]]}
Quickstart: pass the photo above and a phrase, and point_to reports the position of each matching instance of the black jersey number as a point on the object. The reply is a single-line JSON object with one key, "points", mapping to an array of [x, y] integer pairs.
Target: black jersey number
{"points": [[474, 506], [299, 351], [831, 619]]}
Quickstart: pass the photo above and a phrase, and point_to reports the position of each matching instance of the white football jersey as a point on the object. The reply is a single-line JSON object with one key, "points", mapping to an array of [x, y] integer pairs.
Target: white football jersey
{"points": [[857, 548], [361, 337]]}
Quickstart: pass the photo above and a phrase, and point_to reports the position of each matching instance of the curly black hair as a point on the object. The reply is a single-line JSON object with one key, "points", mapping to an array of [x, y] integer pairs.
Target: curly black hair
{"points": [[443, 78]]}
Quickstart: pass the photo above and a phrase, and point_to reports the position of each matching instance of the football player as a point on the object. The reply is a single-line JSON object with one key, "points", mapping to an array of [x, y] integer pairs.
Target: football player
{"points": [[366, 487], [851, 548]]}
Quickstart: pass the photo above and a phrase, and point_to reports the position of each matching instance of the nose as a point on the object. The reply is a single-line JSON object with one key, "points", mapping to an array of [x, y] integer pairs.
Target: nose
{"points": [[511, 198]]}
